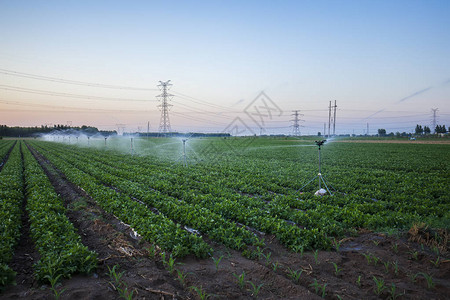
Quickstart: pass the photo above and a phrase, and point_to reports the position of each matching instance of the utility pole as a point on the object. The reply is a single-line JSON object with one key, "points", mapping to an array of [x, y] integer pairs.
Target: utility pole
{"points": [[334, 118], [296, 120], [324, 129], [367, 131], [148, 128], [434, 111], [329, 119], [164, 124]]}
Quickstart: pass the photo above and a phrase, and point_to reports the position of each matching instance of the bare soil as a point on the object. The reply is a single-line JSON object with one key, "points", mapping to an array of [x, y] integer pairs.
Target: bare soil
{"points": [[393, 259]]}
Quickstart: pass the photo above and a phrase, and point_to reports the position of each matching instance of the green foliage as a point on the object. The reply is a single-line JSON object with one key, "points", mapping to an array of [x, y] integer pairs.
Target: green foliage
{"points": [[428, 278], [318, 288], [379, 285], [240, 279], [60, 248], [255, 289], [11, 197], [230, 203], [217, 261], [337, 270], [200, 292], [118, 283], [294, 275]]}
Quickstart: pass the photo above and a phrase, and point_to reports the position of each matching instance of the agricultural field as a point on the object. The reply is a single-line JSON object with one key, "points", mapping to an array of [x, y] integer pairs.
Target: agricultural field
{"points": [[223, 218]]}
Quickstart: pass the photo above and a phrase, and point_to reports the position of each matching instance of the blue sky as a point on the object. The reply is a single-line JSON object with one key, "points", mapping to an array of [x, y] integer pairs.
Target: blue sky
{"points": [[219, 55]]}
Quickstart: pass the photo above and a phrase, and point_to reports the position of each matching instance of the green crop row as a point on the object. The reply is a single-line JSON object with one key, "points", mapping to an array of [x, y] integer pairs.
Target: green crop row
{"points": [[245, 210], [60, 248], [192, 215], [11, 198], [153, 227]]}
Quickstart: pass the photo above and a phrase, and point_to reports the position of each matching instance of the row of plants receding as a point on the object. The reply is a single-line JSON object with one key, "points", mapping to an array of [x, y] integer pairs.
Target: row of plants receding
{"points": [[193, 215], [11, 198], [60, 248], [155, 228], [227, 205]]}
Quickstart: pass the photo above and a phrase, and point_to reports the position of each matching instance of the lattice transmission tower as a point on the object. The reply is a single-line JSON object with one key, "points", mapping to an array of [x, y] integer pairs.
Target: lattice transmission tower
{"points": [[296, 125], [164, 124], [434, 111]]}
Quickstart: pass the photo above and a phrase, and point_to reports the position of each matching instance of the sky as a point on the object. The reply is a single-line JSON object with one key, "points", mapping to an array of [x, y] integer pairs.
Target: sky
{"points": [[99, 63]]}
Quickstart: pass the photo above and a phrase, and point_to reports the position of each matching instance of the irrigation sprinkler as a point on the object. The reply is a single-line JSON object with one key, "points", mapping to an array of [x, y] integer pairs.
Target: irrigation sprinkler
{"points": [[89, 140], [183, 156], [77, 140], [131, 146], [321, 191], [105, 141]]}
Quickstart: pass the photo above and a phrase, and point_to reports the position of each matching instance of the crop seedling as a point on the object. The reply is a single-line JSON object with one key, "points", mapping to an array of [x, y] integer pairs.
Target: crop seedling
{"points": [[336, 269], [337, 244], [375, 242], [395, 247], [267, 257], [395, 265], [413, 277], [436, 250], [379, 285], [295, 275], [200, 292], [259, 252], [181, 276], [171, 264], [393, 294], [375, 260], [386, 266], [275, 266], [358, 281], [368, 257], [428, 278], [437, 262], [241, 280], [318, 287], [54, 284], [316, 255], [217, 261], [163, 257], [119, 284], [255, 288], [414, 254]]}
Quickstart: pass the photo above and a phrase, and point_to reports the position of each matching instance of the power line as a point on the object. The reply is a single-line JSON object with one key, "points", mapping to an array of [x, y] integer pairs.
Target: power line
{"points": [[58, 94], [68, 81]]}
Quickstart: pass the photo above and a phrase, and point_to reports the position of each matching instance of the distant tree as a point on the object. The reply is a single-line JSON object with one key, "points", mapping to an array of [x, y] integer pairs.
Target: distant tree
{"points": [[319, 134], [440, 129], [419, 129], [398, 134], [381, 132], [426, 130]]}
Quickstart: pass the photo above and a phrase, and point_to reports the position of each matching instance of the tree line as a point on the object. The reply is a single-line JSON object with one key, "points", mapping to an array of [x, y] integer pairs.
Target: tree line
{"points": [[419, 130], [17, 131]]}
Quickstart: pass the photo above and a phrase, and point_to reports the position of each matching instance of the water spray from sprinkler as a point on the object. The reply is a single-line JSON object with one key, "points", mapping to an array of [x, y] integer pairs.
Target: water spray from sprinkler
{"points": [[131, 145], [321, 191]]}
